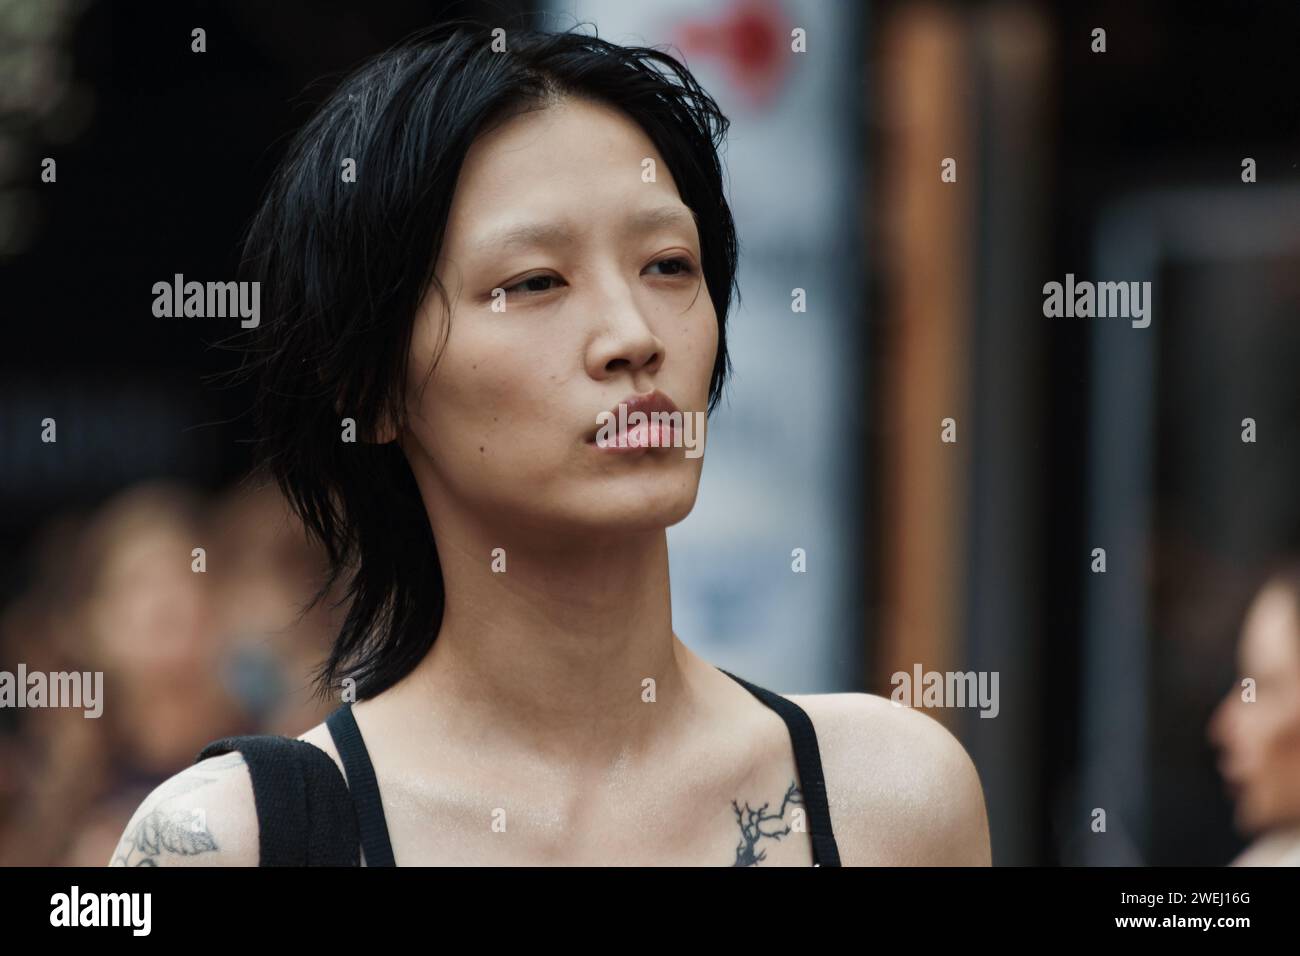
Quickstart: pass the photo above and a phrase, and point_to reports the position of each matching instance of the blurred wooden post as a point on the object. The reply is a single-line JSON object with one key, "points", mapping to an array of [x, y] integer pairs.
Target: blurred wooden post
{"points": [[926, 253]]}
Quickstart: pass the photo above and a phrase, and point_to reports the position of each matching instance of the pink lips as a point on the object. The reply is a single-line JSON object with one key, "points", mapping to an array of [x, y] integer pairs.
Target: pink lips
{"points": [[642, 437]]}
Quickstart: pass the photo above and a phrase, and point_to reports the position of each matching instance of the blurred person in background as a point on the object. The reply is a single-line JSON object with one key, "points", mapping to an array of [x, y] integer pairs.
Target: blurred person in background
{"points": [[1258, 733], [265, 572], [145, 618], [119, 592], [163, 630], [53, 762]]}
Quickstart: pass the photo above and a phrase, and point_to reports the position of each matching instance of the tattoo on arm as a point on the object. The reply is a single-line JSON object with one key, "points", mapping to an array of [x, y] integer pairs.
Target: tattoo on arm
{"points": [[182, 832], [751, 823]]}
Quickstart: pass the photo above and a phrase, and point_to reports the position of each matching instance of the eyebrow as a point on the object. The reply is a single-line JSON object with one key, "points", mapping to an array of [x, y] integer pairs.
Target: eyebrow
{"points": [[557, 233]]}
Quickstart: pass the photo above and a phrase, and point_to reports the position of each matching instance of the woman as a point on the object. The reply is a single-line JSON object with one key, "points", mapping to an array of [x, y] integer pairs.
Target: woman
{"points": [[1257, 726], [536, 234]]}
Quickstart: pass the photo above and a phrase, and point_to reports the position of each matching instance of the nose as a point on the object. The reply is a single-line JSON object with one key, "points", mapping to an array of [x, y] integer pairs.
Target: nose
{"points": [[1217, 729], [625, 341]]}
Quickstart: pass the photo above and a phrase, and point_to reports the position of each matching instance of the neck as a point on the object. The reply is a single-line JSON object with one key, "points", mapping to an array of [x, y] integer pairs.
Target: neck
{"points": [[553, 652]]}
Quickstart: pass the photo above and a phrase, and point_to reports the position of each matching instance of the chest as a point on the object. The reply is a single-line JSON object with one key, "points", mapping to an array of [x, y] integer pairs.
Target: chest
{"points": [[749, 815]]}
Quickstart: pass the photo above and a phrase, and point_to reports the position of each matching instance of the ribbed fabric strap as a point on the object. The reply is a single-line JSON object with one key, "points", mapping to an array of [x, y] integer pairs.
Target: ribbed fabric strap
{"points": [[365, 789], [304, 814], [808, 759]]}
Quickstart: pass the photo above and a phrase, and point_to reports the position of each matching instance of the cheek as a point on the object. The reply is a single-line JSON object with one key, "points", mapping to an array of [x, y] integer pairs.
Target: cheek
{"points": [[696, 342], [485, 409], [1280, 735]]}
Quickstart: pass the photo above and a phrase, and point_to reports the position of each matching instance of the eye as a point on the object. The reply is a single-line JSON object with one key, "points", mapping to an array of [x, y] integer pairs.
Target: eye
{"points": [[532, 285], [675, 266]]}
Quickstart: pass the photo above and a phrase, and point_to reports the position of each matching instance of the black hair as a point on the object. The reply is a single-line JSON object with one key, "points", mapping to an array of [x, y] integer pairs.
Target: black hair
{"points": [[343, 267]]}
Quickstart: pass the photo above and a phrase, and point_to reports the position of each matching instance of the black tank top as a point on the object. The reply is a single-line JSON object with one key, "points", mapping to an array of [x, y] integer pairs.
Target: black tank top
{"points": [[309, 815]]}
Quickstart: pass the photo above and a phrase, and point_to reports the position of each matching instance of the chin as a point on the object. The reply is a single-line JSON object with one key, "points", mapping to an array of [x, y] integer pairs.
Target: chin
{"points": [[1250, 820], [650, 507]]}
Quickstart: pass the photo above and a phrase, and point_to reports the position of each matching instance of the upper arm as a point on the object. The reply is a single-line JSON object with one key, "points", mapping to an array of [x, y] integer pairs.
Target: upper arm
{"points": [[954, 830], [204, 815], [902, 790]]}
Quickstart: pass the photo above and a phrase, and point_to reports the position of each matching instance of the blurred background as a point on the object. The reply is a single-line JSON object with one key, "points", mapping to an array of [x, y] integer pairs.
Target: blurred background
{"points": [[923, 301]]}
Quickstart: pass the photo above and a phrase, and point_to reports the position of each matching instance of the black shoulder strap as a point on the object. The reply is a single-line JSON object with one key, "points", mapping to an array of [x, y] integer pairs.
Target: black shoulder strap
{"points": [[808, 759], [304, 816], [371, 824]]}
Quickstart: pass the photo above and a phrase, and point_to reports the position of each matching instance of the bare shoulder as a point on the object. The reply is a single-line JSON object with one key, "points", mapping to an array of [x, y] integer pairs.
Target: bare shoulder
{"points": [[902, 790], [202, 816], [320, 736]]}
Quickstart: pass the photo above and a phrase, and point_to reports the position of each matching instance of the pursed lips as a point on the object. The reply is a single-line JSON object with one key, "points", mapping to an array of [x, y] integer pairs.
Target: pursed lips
{"points": [[647, 403]]}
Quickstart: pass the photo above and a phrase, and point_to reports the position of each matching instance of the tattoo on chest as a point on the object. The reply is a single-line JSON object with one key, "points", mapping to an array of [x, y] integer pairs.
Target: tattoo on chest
{"points": [[757, 825]]}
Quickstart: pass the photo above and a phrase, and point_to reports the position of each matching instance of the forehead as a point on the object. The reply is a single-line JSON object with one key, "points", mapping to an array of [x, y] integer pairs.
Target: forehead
{"points": [[570, 156], [1272, 633]]}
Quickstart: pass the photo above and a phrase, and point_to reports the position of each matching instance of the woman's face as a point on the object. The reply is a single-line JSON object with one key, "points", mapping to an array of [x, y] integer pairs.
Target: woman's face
{"points": [[1260, 739], [599, 296]]}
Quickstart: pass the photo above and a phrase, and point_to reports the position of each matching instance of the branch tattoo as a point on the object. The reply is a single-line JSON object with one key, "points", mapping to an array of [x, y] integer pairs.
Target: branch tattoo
{"points": [[752, 827]]}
